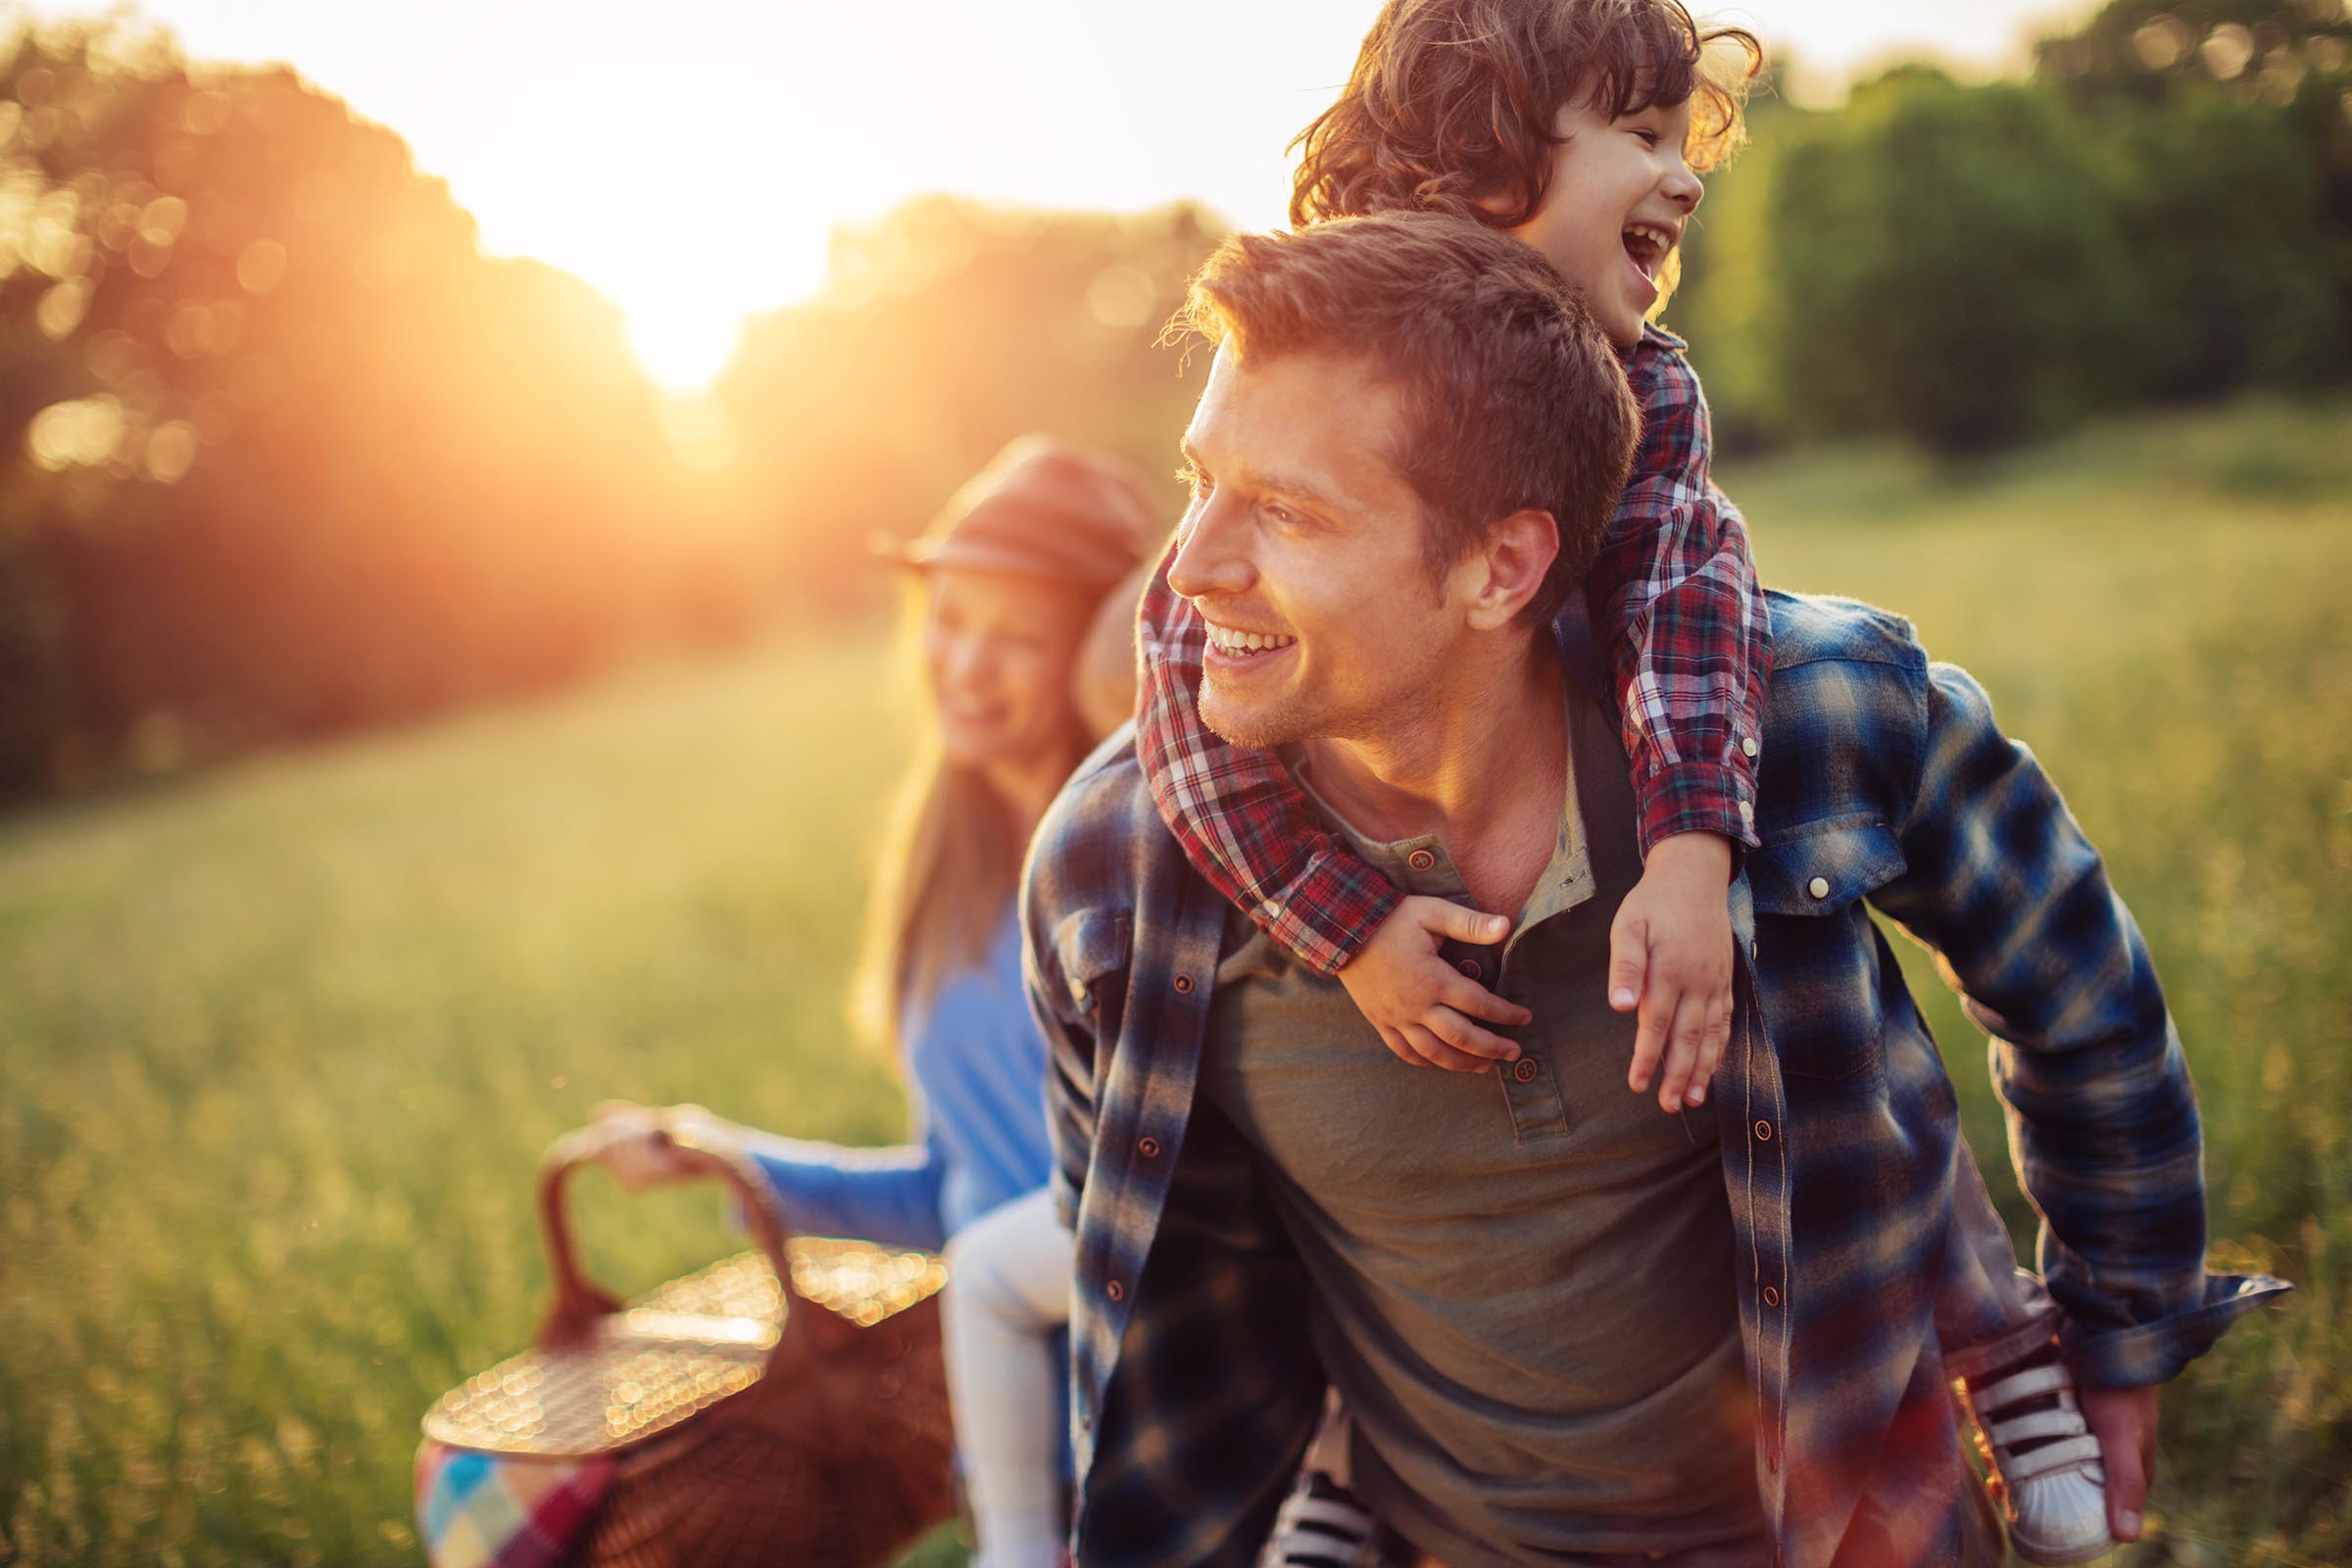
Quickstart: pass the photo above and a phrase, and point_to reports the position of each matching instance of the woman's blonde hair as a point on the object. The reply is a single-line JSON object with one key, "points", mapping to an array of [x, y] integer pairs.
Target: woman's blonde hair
{"points": [[948, 861], [1074, 522]]}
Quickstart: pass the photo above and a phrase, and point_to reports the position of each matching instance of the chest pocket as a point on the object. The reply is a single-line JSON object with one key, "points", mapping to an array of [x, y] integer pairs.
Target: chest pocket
{"points": [[1824, 869], [1820, 956], [1091, 947]]}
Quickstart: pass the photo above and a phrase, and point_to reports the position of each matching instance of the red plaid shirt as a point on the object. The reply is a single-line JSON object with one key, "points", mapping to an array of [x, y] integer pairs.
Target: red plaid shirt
{"points": [[1689, 646]]}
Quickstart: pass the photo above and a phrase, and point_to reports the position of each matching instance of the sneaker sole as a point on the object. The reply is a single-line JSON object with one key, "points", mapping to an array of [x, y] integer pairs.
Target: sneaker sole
{"points": [[2058, 1556]]}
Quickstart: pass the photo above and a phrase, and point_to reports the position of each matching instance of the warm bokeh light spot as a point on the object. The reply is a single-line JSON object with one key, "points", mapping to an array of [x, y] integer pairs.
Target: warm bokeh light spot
{"points": [[2227, 49], [62, 308], [76, 434], [260, 266], [1121, 297], [163, 218], [205, 112], [170, 452], [2161, 44]]}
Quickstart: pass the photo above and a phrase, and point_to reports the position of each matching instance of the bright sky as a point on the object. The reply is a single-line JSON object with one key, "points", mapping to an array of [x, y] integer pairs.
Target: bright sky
{"points": [[615, 139]]}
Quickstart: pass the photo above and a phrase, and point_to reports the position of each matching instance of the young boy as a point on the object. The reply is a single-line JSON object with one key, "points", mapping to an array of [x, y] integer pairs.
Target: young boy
{"points": [[1580, 127]]}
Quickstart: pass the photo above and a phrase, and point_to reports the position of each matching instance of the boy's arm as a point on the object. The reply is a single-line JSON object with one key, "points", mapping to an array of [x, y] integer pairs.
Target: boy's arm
{"points": [[1243, 821], [1674, 594], [2103, 1125]]}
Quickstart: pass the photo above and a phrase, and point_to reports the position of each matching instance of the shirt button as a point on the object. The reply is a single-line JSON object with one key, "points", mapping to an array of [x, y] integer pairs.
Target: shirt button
{"points": [[1819, 887], [1420, 860], [1747, 812], [1184, 985], [1149, 1147], [1763, 1132], [1469, 966], [1747, 746], [1751, 946], [1115, 1290], [1772, 1298], [1525, 1069]]}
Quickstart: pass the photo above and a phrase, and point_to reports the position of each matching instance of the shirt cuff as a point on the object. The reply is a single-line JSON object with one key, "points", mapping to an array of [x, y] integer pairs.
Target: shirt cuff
{"points": [[1698, 797], [1332, 912], [2149, 1354]]}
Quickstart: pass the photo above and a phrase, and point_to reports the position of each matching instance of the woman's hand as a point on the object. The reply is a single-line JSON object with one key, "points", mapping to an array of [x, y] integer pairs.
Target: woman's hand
{"points": [[646, 1147]]}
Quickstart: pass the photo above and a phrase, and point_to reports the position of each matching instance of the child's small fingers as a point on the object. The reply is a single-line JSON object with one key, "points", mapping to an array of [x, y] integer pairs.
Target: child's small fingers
{"points": [[1446, 919], [1681, 1055], [1403, 1053], [1688, 1039], [1464, 1036], [1712, 1044], [1438, 1054], [1649, 1043], [1467, 996], [1629, 962]]}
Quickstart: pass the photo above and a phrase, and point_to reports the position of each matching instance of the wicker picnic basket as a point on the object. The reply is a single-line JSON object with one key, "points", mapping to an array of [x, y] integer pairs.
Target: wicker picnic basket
{"points": [[787, 1405]]}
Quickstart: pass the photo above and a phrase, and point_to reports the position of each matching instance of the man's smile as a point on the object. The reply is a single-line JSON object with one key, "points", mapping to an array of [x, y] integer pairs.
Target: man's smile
{"points": [[1228, 646]]}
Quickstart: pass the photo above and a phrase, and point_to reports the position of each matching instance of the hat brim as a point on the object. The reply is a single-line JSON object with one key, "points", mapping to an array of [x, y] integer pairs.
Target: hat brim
{"points": [[962, 553]]}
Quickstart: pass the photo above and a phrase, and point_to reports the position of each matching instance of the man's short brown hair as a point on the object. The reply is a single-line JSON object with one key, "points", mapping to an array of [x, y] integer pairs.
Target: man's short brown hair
{"points": [[1451, 104], [1513, 397]]}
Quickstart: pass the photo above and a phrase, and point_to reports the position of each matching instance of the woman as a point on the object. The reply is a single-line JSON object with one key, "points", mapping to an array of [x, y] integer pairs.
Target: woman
{"points": [[1027, 591]]}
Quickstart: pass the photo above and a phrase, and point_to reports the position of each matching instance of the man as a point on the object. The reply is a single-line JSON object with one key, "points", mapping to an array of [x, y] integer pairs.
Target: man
{"points": [[1567, 1331]]}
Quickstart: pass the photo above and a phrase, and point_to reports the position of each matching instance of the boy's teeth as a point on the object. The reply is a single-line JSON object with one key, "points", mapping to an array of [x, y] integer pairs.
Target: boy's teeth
{"points": [[1247, 642]]}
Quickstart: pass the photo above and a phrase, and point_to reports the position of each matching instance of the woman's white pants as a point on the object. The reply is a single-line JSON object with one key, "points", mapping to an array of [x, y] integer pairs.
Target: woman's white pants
{"points": [[1008, 1293]]}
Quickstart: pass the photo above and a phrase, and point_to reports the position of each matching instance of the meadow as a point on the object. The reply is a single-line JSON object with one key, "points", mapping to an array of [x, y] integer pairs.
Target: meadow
{"points": [[282, 1041]]}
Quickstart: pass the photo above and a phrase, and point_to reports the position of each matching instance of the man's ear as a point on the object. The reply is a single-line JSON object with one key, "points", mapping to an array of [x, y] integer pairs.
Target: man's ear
{"points": [[1507, 568]]}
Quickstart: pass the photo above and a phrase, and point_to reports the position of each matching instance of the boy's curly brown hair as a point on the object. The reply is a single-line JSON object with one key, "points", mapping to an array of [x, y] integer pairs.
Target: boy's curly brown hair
{"points": [[1452, 102]]}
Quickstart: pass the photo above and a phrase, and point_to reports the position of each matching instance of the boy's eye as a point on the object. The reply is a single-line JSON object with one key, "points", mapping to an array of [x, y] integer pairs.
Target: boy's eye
{"points": [[1194, 480], [1650, 138]]}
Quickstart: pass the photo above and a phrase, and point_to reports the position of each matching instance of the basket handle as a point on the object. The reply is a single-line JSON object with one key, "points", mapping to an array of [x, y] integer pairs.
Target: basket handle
{"points": [[579, 1300]]}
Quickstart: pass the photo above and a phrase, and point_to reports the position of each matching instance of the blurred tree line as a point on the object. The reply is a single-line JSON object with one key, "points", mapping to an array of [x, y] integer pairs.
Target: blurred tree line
{"points": [[282, 453], [2162, 211]]}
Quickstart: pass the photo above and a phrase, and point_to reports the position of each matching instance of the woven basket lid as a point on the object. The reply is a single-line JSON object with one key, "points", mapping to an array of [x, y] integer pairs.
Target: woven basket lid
{"points": [[679, 1350], [633, 1372]]}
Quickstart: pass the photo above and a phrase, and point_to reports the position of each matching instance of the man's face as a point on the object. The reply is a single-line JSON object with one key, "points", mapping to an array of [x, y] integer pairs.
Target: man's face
{"points": [[1303, 551], [1619, 198]]}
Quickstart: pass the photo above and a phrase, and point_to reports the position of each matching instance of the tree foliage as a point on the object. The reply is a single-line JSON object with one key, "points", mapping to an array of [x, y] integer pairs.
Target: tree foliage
{"points": [[2162, 212], [282, 452]]}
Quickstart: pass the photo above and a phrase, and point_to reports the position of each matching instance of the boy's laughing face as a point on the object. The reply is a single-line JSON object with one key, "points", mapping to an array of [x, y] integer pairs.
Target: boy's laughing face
{"points": [[1620, 196]]}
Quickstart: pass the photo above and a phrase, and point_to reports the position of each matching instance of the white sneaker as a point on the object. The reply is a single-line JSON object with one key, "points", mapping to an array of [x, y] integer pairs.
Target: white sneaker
{"points": [[2045, 1458], [1321, 1525]]}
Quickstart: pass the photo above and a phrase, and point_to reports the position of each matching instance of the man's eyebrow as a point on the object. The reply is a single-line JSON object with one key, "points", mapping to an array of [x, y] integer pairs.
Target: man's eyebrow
{"points": [[1285, 485]]}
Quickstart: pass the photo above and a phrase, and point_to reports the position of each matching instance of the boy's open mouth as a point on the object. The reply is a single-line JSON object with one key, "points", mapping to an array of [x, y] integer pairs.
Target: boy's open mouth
{"points": [[1648, 245]]}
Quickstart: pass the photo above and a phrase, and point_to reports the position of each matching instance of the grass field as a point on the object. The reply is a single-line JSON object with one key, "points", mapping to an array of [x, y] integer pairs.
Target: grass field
{"points": [[281, 1043]]}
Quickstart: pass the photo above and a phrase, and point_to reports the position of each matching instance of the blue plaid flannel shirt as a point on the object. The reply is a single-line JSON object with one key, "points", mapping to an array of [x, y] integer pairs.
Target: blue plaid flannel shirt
{"points": [[1884, 782]]}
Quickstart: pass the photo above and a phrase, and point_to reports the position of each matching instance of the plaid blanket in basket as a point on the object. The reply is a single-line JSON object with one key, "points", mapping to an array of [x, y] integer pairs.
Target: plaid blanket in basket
{"points": [[494, 1510]]}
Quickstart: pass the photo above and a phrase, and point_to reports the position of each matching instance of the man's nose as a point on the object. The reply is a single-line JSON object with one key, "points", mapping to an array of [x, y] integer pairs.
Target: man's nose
{"points": [[1210, 557]]}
